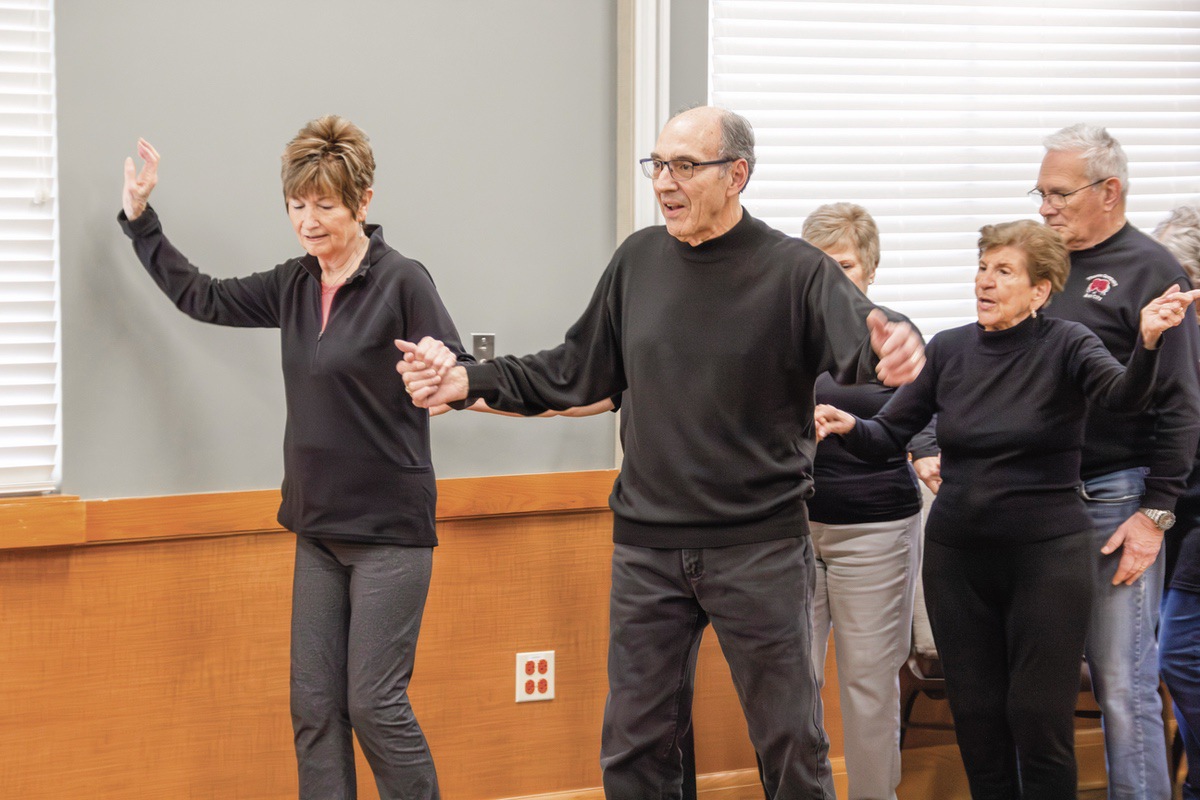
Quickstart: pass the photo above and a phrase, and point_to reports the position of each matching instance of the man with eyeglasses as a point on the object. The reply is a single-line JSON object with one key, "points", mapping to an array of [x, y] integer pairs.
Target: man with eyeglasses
{"points": [[1134, 465], [713, 329]]}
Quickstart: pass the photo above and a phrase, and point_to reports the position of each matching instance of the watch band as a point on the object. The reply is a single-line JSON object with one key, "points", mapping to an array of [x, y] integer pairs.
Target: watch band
{"points": [[1162, 518]]}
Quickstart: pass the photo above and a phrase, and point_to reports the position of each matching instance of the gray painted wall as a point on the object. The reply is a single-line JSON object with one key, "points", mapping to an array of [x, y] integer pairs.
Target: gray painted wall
{"points": [[493, 126]]}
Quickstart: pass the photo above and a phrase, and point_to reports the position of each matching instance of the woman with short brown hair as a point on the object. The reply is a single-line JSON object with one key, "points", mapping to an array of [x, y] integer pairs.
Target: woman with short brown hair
{"points": [[1007, 573], [358, 485]]}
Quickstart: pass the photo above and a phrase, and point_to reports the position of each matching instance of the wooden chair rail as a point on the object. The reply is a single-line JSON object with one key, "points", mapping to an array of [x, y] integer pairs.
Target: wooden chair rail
{"points": [[62, 520]]}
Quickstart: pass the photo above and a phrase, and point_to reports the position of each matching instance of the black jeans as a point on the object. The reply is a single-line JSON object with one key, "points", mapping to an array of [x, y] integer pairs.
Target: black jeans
{"points": [[757, 598], [1010, 624]]}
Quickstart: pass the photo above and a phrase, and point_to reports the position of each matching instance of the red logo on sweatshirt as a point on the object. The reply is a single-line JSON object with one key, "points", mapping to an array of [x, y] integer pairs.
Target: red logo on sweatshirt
{"points": [[1098, 286]]}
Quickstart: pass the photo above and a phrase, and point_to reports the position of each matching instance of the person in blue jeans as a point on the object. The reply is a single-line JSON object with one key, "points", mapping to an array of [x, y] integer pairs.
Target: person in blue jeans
{"points": [[1135, 464], [1179, 632]]}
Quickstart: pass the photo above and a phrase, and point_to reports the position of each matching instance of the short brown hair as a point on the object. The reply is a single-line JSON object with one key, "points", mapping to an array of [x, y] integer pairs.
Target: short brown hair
{"points": [[330, 156], [1046, 255], [844, 224]]}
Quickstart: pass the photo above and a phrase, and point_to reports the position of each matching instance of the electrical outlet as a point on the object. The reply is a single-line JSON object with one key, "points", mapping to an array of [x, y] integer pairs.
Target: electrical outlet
{"points": [[483, 346], [535, 676]]}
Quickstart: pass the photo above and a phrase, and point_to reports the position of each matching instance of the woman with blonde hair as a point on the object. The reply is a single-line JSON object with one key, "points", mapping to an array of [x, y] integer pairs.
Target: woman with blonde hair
{"points": [[865, 526]]}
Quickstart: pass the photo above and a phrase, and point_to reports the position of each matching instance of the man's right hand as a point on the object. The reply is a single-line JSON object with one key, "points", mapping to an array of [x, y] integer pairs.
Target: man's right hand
{"points": [[430, 372]]}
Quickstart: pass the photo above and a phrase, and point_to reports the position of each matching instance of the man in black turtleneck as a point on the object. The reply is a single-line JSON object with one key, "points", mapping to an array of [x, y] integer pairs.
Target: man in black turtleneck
{"points": [[713, 329], [1135, 465]]}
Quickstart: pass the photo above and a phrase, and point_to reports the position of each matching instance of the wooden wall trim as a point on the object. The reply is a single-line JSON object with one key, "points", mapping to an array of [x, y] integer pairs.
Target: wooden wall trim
{"points": [[61, 520], [47, 521]]}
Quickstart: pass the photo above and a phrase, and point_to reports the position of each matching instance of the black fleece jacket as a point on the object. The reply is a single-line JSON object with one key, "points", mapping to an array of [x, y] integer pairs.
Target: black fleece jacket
{"points": [[355, 449]]}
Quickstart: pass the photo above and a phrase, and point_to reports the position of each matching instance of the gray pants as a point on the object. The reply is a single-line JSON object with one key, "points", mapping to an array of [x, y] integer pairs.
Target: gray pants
{"points": [[757, 597], [867, 576], [356, 612]]}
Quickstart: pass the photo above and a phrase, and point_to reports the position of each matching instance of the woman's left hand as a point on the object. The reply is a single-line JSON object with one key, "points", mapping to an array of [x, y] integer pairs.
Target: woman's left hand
{"points": [[1164, 312]]}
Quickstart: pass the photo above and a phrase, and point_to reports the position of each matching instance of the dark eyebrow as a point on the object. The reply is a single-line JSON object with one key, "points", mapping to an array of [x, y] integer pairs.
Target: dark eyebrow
{"points": [[657, 157]]}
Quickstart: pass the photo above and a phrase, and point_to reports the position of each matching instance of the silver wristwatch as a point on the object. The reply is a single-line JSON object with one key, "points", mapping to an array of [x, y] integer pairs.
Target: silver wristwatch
{"points": [[1162, 519]]}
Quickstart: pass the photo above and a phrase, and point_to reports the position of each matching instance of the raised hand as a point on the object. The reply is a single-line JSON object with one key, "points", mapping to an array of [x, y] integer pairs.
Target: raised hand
{"points": [[1164, 312], [138, 186], [830, 420], [901, 353]]}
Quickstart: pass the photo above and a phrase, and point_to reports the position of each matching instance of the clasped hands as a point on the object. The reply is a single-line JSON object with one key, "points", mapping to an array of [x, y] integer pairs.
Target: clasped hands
{"points": [[432, 376]]}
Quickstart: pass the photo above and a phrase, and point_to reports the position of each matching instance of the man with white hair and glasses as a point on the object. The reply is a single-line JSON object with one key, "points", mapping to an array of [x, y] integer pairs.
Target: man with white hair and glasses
{"points": [[1135, 465]]}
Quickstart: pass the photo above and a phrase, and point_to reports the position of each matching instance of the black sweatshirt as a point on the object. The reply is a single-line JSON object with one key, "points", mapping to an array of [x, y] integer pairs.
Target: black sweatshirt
{"points": [[355, 449], [1010, 408], [1106, 290], [716, 348], [848, 490]]}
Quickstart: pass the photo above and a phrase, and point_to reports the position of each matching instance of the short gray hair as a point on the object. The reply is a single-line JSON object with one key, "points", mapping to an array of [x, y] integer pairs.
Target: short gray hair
{"points": [[1102, 154], [737, 140], [1180, 233]]}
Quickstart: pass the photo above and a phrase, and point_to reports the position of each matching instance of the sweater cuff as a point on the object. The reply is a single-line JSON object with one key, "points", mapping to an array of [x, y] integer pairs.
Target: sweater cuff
{"points": [[141, 226], [1158, 496], [483, 381]]}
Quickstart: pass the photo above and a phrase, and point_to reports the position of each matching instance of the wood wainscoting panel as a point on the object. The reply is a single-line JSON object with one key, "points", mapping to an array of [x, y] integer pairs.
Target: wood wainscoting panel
{"points": [[157, 667], [146, 670]]}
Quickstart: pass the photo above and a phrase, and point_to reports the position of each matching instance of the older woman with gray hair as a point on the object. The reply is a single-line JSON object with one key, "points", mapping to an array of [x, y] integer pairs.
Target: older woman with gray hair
{"points": [[358, 485], [1179, 623], [865, 526]]}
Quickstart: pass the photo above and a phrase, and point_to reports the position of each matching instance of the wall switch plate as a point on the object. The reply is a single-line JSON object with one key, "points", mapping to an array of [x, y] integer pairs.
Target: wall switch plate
{"points": [[483, 346], [535, 676]]}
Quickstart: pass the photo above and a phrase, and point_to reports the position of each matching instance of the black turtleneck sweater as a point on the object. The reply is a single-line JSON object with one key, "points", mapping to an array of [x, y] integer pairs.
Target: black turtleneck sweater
{"points": [[716, 348], [1010, 408]]}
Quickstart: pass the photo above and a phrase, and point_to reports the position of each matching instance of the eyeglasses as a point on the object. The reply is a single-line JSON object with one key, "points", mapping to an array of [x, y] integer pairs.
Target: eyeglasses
{"points": [[680, 169], [1058, 199]]}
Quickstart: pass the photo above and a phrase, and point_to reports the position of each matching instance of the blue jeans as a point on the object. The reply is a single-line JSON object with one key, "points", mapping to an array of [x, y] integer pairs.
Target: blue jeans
{"points": [[1180, 661], [1122, 651], [757, 598]]}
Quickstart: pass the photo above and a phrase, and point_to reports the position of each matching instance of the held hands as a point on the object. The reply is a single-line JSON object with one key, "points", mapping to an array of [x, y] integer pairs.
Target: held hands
{"points": [[431, 373], [138, 187], [901, 354], [1163, 312], [830, 420]]}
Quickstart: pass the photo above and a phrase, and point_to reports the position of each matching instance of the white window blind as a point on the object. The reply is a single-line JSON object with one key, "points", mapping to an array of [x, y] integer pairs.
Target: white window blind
{"points": [[931, 116], [30, 416]]}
